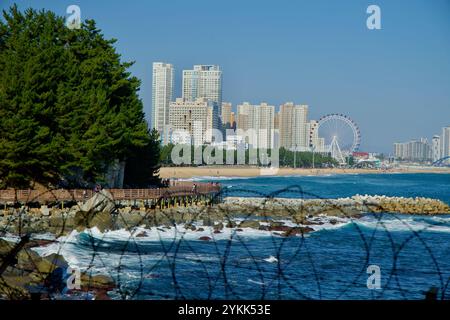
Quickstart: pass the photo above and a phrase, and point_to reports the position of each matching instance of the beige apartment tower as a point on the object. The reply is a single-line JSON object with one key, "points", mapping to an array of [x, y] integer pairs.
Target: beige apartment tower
{"points": [[203, 81], [260, 120], [226, 115], [191, 122], [293, 124]]}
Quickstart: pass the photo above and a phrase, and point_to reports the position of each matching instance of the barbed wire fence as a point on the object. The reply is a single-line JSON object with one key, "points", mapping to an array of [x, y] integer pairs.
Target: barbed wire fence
{"points": [[216, 275]]}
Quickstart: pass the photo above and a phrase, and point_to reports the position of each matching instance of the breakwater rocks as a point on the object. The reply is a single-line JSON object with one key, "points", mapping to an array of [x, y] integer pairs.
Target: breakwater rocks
{"points": [[101, 212], [349, 207]]}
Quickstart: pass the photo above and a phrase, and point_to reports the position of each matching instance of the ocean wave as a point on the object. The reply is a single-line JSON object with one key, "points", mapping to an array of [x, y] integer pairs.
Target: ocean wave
{"points": [[394, 223], [256, 282], [39, 236], [141, 239]]}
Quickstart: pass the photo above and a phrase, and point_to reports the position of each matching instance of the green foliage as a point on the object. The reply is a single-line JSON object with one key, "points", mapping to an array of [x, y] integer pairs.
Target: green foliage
{"points": [[166, 152], [305, 159], [68, 105], [286, 157], [143, 164]]}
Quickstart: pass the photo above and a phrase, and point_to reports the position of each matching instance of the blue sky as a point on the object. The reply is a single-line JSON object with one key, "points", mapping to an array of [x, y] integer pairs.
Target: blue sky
{"points": [[394, 82]]}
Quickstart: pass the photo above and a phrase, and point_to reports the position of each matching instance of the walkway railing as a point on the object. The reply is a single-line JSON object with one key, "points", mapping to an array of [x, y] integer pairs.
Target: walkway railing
{"points": [[176, 189]]}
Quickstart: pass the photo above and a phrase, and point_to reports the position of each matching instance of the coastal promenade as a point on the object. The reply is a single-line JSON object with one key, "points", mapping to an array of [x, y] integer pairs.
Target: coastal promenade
{"points": [[176, 189]]}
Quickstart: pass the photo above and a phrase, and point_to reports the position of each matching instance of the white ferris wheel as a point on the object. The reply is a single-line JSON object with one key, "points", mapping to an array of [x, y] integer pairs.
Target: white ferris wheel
{"points": [[339, 134]]}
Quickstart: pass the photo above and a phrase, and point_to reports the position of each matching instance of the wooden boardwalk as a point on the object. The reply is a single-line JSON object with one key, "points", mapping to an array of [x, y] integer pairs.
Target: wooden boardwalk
{"points": [[176, 189]]}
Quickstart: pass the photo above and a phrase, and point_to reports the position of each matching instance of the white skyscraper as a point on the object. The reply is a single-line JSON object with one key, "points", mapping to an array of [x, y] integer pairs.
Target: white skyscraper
{"points": [[204, 81], [435, 148], [445, 142], [162, 94]]}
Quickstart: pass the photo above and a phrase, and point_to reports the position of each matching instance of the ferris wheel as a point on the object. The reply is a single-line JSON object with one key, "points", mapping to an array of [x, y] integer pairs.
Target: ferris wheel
{"points": [[337, 134]]}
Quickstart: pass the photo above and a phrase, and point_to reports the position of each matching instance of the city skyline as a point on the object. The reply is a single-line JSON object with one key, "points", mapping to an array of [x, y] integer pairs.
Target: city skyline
{"points": [[423, 150], [393, 82]]}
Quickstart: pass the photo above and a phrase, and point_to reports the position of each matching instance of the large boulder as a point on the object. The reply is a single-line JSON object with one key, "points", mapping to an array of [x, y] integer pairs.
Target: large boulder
{"points": [[85, 220], [96, 212], [5, 247], [102, 201], [249, 224], [296, 231], [97, 282]]}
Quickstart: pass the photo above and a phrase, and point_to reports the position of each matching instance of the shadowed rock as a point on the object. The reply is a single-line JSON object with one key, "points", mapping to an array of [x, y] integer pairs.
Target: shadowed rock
{"points": [[96, 212]]}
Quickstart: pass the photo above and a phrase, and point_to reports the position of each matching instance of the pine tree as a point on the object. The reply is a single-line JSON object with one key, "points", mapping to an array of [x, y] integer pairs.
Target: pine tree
{"points": [[68, 105], [143, 164]]}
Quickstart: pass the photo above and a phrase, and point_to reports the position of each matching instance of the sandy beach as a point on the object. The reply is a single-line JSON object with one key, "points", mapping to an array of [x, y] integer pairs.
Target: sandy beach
{"points": [[236, 171]]}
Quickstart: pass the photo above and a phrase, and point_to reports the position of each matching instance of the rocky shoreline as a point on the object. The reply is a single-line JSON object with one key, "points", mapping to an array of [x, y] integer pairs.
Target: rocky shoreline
{"points": [[25, 275], [23, 271], [105, 214]]}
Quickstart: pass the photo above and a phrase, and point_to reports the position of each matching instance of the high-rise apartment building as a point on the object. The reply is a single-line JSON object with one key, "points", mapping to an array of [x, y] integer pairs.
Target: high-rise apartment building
{"points": [[191, 122], [204, 81], [276, 120], [162, 94], [258, 121], [233, 120], [415, 150], [436, 148], [400, 150], [293, 124], [445, 142], [226, 115]]}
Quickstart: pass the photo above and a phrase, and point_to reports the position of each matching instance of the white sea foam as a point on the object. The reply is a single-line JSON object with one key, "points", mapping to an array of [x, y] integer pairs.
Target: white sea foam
{"points": [[150, 235], [39, 236], [256, 282], [406, 223], [271, 259], [10, 238], [69, 246]]}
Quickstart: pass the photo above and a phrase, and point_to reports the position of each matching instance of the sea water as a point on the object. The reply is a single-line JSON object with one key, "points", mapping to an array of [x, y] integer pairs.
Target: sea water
{"points": [[411, 252]]}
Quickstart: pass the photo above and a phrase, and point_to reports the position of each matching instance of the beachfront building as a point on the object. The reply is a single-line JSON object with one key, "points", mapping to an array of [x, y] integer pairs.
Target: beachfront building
{"points": [[162, 94], [203, 81], [293, 124], [276, 120], [256, 123], [445, 142], [414, 150], [192, 122], [400, 150], [226, 115], [436, 148], [233, 120]]}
